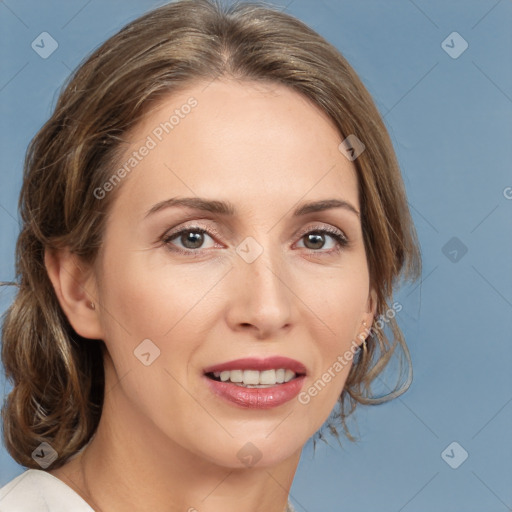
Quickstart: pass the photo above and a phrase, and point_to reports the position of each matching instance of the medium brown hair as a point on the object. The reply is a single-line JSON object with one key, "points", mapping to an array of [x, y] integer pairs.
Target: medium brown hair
{"points": [[57, 376]]}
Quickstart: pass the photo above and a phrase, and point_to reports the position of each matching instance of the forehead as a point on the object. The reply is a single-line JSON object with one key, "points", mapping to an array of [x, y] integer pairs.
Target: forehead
{"points": [[249, 143]]}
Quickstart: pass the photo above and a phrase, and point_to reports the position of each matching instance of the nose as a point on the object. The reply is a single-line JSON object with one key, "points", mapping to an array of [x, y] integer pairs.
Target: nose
{"points": [[262, 301]]}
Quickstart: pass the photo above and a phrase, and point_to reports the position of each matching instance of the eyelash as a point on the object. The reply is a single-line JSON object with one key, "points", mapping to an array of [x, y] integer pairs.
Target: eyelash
{"points": [[341, 240]]}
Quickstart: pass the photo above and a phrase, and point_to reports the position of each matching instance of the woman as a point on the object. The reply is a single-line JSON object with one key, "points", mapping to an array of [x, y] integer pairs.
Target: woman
{"points": [[213, 224]]}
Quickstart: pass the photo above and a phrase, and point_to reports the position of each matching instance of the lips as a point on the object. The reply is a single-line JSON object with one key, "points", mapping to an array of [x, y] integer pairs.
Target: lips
{"points": [[256, 383]]}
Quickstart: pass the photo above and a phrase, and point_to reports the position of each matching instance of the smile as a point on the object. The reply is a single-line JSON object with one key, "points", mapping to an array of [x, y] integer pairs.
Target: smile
{"points": [[256, 383], [254, 378]]}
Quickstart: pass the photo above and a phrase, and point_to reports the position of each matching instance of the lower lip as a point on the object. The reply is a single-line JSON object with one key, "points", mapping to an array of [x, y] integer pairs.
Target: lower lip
{"points": [[257, 398]]}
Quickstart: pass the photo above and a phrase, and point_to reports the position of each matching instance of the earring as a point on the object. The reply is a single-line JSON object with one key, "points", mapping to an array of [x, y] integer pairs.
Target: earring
{"points": [[363, 339], [92, 305]]}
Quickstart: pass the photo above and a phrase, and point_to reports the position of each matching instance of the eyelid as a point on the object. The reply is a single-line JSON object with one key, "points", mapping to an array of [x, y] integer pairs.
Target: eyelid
{"points": [[196, 224], [323, 227]]}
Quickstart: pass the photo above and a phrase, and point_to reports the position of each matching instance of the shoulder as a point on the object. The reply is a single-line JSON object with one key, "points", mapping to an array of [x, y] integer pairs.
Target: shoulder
{"points": [[38, 491]]}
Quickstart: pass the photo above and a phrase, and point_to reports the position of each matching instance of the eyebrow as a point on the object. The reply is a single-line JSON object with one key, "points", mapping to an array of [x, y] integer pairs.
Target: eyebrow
{"points": [[226, 208]]}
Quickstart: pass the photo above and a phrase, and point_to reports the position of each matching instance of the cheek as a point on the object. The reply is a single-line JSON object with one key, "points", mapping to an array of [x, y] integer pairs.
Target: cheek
{"points": [[143, 302], [172, 307], [149, 299], [341, 302]]}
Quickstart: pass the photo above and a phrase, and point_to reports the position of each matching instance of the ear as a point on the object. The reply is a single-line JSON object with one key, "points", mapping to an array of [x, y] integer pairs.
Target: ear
{"points": [[369, 315], [75, 287]]}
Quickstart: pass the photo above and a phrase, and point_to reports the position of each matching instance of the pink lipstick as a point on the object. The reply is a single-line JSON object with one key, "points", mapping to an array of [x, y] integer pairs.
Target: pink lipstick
{"points": [[256, 383]]}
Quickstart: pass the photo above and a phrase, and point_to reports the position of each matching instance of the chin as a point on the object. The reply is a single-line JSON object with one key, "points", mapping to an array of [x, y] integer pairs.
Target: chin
{"points": [[256, 449]]}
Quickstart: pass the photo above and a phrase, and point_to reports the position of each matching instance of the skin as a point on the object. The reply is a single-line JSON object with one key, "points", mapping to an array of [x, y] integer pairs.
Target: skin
{"points": [[165, 442]]}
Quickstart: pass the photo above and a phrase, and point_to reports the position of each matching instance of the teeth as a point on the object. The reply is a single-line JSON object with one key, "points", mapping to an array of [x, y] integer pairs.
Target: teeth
{"points": [[253, 378], [288, 375], [236, 376], [267, 377]]}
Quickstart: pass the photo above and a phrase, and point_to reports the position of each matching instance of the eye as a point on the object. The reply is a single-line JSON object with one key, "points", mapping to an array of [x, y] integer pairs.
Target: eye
{"points": [[315, 239], [190, 238]]}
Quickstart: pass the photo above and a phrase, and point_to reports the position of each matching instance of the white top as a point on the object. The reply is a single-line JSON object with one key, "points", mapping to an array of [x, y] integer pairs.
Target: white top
{"points": [[36, 490]]}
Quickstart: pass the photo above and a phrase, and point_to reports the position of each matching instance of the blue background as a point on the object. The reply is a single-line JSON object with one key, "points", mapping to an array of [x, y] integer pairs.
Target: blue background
{"points": [[450, 122]]}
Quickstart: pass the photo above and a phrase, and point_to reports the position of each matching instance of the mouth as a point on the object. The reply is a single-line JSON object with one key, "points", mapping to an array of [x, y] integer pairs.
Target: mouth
{"points": [[255, 378], [256, 383]]}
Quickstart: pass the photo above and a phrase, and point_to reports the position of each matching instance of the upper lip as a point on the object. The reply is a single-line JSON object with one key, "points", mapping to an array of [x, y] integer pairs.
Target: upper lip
{"points": [[260, 364]]}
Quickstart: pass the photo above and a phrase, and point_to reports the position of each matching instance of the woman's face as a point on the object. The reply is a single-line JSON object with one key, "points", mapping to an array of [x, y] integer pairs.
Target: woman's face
{"points": [[185, 290]]}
